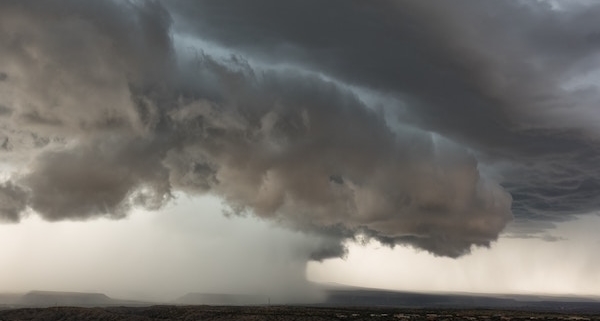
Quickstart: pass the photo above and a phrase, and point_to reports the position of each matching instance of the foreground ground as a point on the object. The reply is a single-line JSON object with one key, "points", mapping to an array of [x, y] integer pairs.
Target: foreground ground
{"points": [[276, 313]]}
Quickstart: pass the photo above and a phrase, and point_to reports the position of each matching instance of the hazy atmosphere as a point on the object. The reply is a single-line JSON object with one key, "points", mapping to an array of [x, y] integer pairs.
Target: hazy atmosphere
{"points": [[150, 149]]}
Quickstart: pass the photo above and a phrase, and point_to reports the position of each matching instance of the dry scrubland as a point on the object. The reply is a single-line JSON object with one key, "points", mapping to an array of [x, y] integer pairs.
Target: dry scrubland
{"points": [[276, 313]]}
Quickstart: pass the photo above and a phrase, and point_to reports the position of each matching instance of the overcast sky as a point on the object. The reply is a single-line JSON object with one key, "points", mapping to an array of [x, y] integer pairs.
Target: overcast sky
{"points": [[154, 148]]}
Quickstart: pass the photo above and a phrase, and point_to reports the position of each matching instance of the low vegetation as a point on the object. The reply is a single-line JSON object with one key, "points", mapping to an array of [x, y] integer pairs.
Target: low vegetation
{"points": [[278, 313]]}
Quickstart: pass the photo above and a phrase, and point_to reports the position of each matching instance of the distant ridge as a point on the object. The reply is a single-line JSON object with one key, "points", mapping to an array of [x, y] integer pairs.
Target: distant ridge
{"points": [[335, 296], [222, 299], [340, 295]]}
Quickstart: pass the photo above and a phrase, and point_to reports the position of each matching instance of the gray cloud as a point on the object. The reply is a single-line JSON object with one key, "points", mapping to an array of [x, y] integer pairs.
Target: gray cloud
{"points": [[110, 113], [462, 56], [99, 178], [506, 78], [305, 152], [13, 201]]}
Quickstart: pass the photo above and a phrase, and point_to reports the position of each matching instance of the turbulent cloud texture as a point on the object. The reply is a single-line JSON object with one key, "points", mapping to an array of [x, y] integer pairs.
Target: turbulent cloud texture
{"points": [[108, 105]]}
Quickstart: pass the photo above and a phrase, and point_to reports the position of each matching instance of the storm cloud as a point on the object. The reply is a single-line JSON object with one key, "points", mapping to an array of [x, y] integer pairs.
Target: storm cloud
{"points": [[515, 81], [269, 106]]}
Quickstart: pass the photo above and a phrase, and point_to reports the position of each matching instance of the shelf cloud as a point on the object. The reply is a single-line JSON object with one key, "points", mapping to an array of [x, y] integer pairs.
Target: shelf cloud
{"points": [[489, 117]]}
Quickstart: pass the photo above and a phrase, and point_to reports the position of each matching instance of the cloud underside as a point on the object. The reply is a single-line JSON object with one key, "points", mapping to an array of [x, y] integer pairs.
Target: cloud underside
{"points": [[104, 108]]}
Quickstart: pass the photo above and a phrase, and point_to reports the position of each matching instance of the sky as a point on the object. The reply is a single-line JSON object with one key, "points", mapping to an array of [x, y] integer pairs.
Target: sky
{"points": [[154, 148]]}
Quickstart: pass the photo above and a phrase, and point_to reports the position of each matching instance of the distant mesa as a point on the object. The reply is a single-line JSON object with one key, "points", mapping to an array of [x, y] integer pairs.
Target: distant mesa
{"points": [[50, 298]]}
